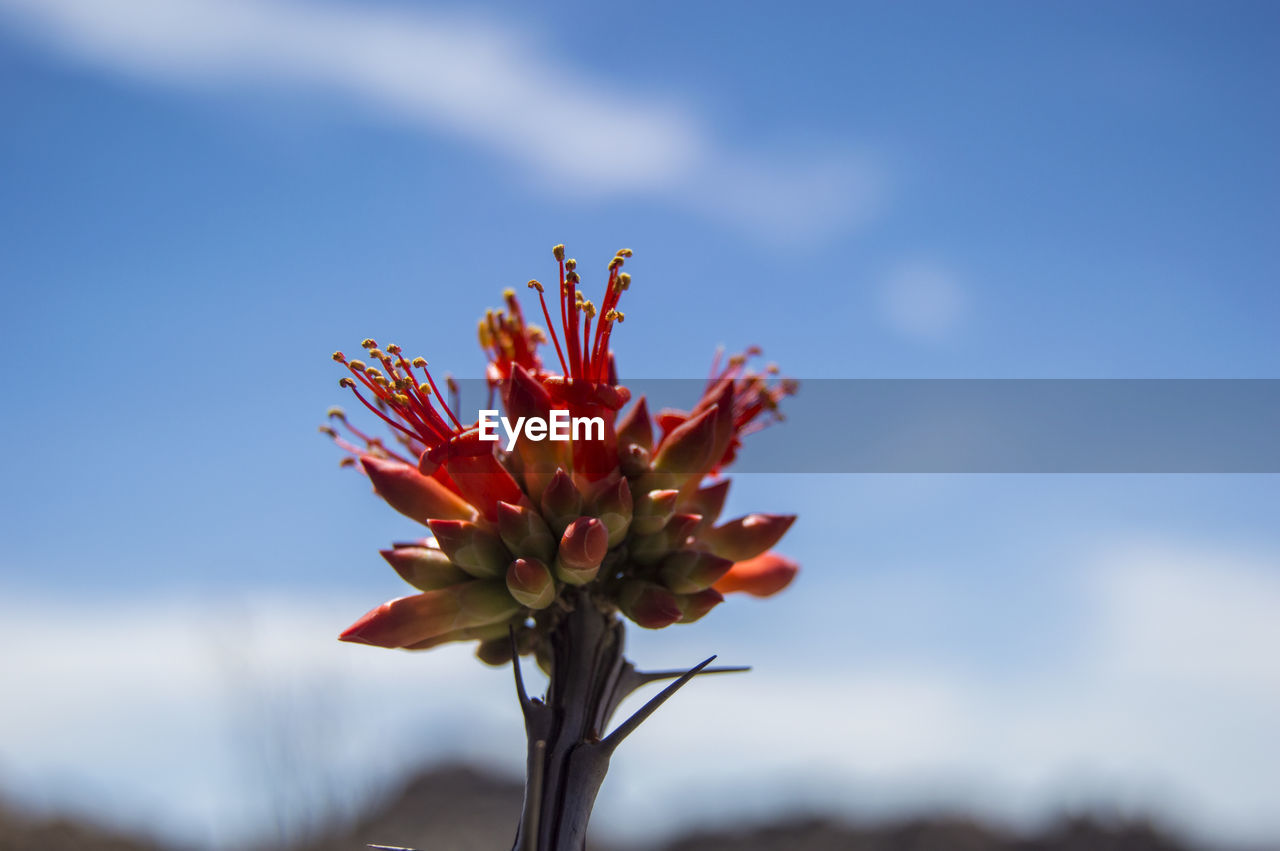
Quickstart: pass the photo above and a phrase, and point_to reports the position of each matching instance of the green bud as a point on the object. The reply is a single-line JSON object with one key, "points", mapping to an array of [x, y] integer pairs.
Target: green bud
{"points": [[530, 583], [478, 551], [614, 509], [425, 568], [561, 502], [652, 510], [525, 532], [691, 571], [582, 549]]}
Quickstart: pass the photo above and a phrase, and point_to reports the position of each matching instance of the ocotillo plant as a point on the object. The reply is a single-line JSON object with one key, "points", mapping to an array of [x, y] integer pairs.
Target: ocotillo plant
{"points": [[538, 546]]}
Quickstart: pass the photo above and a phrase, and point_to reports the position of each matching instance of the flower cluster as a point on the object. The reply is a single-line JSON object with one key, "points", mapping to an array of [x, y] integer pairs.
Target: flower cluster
{"points": [[630, 519]]}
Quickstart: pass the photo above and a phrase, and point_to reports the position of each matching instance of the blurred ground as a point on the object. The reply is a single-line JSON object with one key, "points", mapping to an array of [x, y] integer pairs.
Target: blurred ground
{"points": [[460, 809]]}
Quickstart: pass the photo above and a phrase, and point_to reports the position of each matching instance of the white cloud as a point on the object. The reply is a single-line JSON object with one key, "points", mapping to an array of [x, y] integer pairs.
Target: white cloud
{"points": [[478, 82], [1165, 700], [923, 302]]}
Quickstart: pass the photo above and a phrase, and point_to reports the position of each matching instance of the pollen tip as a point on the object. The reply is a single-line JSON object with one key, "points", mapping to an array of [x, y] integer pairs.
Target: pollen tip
{"points": [[339, 357], [424, 388], [508, 293], [570, 264], [420, 363], [336, 413], [534, 285], [624, 281], [625, 252], [392, 348], [368, 343], [347, 381], [357, 365], [558, 251]]}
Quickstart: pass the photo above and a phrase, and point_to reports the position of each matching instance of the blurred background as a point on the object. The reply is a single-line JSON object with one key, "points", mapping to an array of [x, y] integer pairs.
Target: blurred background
{"points": [[201, 199]]}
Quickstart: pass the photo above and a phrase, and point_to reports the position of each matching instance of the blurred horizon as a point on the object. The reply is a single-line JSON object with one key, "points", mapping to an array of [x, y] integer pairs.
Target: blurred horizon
{"points": [[201, 199]]}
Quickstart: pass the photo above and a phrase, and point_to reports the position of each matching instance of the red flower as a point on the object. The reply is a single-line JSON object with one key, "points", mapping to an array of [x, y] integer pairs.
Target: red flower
{"points": [[622, 515]]}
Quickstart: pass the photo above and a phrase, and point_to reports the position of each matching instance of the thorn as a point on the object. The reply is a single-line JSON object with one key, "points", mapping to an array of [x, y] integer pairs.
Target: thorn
{"points": [[626, 728], [646, 677]]}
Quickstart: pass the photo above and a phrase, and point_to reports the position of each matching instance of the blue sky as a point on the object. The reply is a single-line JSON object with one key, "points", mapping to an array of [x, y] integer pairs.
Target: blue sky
{"points": [[200, 201]]}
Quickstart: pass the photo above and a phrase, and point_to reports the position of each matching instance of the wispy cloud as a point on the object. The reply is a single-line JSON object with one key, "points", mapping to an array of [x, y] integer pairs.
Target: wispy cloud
{"points": [[481, 83]]}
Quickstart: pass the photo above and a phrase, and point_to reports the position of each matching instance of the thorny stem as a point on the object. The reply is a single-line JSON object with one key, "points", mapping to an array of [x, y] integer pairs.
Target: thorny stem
{"points": [[568, 751], [568, 755]]}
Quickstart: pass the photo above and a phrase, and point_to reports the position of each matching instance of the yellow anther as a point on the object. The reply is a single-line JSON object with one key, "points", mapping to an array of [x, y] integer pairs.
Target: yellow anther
{"points": [[508, 293], [324, 429], [348, 461], [339, 357], [401, 399], [624, 281], [536, 334], [420, 363], [346, 381], [424, 388], [376, 354], [570, 264], [573, 277], [625, 252], [368, 343], [613, 315], [393, 349], [558, 251], [336, 413], [588, 308], [357, 365], [534, 285], [615, 263]]}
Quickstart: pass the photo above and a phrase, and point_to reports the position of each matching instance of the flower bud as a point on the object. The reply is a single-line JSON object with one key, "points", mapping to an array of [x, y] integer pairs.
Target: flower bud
{"points": [[525, 396], [425, 568], [761, 576], [525, 532], [747, 537], [694, 606], [691, 571], [412, 494], [419, 618], [477, 551], [530, 583], [686, 451], [648, 604], [635, 428], [633, 460], [614, 509], [647, 549], [652, 510], [707, 501], [561, 502], [582, 548], [500, 629]]}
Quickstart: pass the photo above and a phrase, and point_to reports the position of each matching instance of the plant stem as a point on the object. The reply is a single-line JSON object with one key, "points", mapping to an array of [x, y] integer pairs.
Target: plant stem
{"points": [[568, 753]]}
